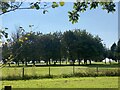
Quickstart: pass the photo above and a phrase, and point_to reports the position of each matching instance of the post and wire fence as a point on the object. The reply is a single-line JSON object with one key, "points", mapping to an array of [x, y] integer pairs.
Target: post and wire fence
{"points": [[16, 73]]}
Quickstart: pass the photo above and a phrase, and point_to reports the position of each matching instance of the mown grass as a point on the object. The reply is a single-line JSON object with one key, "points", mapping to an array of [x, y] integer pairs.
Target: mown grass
{"points": [[85, 76], [84, 82], [15, 73]]}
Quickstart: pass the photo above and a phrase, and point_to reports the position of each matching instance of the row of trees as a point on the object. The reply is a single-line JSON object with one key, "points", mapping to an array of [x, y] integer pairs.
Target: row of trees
{"points": [[71, 45]]}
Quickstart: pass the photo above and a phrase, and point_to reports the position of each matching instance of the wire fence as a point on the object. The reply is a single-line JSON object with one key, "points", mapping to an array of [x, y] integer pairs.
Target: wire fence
{"points": [[31, 72]]}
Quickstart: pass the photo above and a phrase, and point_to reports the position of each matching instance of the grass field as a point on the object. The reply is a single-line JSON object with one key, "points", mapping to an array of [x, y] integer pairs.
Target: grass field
{"points": [[84, 82], [55, 70], [72, 82]]}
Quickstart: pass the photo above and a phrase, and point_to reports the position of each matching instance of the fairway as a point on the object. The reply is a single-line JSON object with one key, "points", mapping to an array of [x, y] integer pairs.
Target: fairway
{"points": [[84, 82]]}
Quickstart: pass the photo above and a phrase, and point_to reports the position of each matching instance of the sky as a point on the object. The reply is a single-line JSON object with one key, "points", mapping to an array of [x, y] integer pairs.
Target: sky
{"points": [[96, 22]]}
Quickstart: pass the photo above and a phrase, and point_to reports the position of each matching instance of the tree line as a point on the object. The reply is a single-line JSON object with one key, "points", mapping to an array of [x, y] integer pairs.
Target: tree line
{"points": [[70, 45]]}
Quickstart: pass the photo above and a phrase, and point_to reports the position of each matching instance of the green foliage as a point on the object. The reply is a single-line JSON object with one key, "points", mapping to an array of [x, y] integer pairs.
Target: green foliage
{"points": [[74, 15], [5, 51], [62, 3], [74, 45], [79, 7], [54, 5], [3, 33], [8, 6], [118, 50], [80, 45]]}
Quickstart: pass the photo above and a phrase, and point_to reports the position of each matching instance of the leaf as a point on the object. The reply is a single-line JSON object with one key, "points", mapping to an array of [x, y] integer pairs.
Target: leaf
{"points": [[45, 11], [4, 10], [36, 6], [6, 35], [28, 34], [26, 38], [32, 7], [54, 5], [62, 3]]}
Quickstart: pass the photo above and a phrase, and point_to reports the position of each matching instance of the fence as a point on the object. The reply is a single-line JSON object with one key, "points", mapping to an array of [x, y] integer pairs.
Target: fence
{"points": [[11, 73]]}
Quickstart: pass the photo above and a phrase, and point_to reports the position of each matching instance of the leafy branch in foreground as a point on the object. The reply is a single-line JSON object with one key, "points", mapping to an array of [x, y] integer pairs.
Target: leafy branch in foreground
{"points": [[3, 33], [80, 7], [10, 5]]}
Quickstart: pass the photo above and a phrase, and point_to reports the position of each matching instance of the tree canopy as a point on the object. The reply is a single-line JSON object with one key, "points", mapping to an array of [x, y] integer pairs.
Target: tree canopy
{"points": [[73, 44]]}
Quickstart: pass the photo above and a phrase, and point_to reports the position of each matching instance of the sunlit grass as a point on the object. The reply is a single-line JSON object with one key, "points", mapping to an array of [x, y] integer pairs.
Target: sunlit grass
{"points": [[86, 82], [8, 72]]}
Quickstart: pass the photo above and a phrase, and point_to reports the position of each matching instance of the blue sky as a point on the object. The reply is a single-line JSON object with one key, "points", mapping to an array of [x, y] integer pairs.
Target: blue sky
{"points": [[97, 22]]}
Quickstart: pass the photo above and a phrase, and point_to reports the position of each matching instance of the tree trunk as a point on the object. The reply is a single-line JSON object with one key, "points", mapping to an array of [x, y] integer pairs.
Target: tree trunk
{"points": [[79, 61], [9, 64], [25, 63], [90, 62], [33, 63], [85, 61], [49, 62], [39, 61], [73, 62], [109, 61], [66, 61], [18, 63], [60, 61], [105, 61]]}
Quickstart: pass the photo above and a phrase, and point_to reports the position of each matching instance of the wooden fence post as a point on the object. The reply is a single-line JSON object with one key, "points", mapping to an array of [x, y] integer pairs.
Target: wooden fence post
{"points": [[73, 69], [23, 73], [49, 70], [97, 70]]}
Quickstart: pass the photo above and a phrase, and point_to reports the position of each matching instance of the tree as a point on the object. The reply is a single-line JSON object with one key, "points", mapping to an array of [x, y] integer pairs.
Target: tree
{"points": [[3, 33], [5, 52], [80, 45], [17, 47], [46, 45], [78, 7], [12, 5], [69, 41], [90, 47], [73, 45], [113, 51], [57, 52], [118, 50]]}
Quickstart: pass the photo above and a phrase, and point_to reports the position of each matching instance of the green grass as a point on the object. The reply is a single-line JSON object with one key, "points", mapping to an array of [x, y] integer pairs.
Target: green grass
{"points": [[41, 71], [16, 72], [86, 82], [73, 82]]}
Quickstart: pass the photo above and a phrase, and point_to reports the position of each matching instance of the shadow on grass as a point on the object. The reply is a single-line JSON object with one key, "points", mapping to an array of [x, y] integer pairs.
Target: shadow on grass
{"points": [[113, 65], [104, 65]]}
